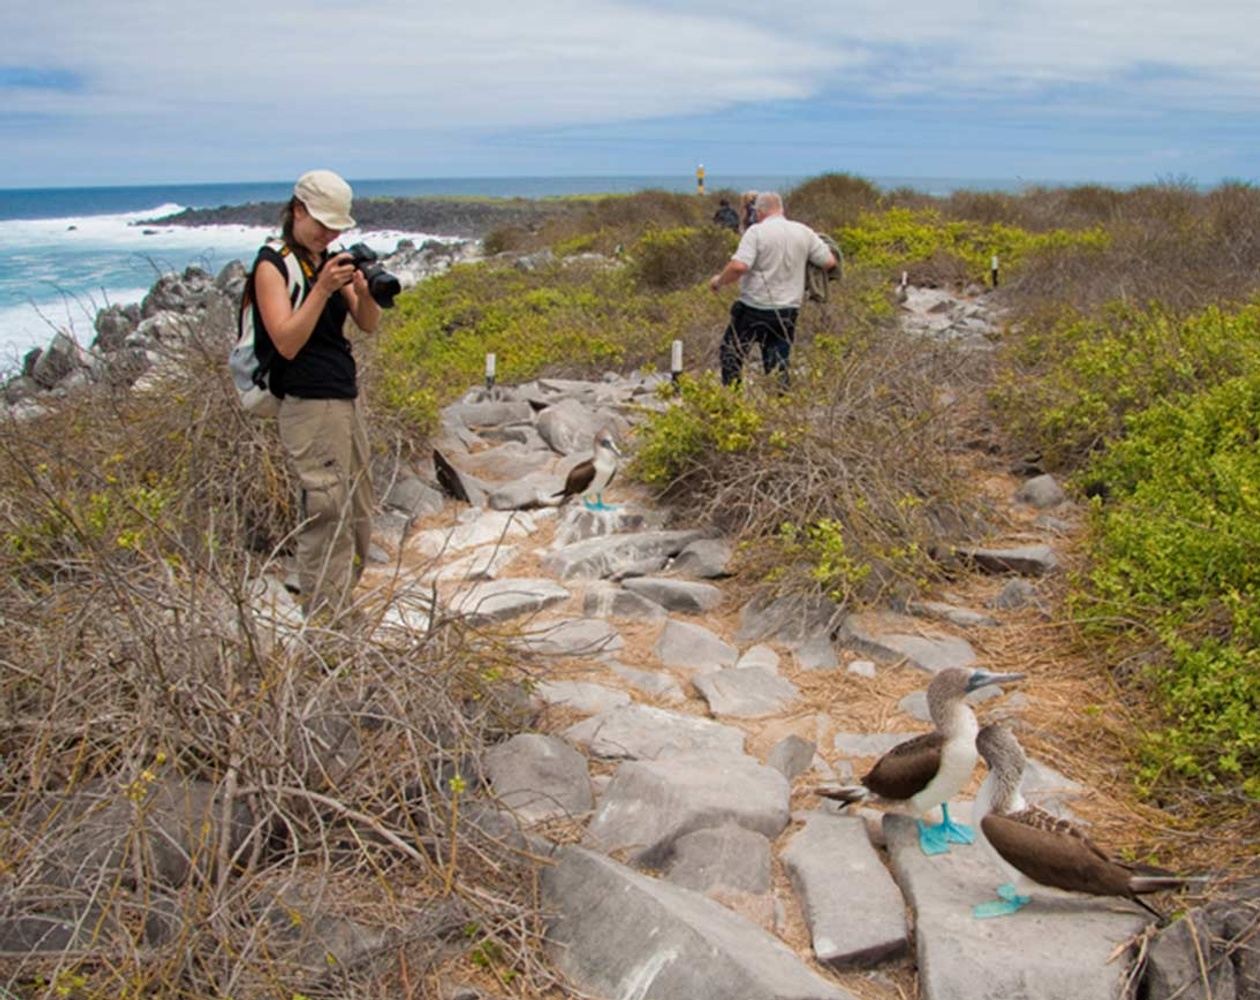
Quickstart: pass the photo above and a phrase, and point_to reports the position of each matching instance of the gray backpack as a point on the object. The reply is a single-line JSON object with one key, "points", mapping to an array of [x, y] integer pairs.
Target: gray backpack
{"points": [[248, 374]]}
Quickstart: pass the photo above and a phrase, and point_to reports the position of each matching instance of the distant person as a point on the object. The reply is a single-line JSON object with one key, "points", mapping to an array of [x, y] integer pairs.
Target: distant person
{"points": [[311, 367], [726, 216], [748, 209], [770, 268]]}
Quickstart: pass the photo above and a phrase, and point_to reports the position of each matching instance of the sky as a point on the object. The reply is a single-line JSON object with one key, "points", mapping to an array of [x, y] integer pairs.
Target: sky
{"points": [[136, 92]]}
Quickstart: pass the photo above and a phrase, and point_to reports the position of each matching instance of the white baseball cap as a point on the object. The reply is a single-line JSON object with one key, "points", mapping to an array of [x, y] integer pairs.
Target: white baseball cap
{"points": [[327, 197]]}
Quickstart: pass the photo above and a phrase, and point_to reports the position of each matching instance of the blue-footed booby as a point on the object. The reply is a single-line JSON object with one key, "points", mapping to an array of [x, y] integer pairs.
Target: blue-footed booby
{"points": [[928, 770], [1034, 848], [593, 475]]}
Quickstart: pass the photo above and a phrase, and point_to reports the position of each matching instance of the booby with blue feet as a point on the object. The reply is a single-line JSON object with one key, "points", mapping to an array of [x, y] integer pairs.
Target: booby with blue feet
{"points": [[927, 771], [1035, 848], [594, 475]]}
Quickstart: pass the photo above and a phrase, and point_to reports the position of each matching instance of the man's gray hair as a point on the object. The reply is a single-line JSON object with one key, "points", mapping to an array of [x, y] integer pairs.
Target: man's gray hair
{"points": [[768, 201]]}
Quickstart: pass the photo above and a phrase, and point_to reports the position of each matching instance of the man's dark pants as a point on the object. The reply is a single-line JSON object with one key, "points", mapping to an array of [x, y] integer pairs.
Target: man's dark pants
{"points": [[770, 329]]}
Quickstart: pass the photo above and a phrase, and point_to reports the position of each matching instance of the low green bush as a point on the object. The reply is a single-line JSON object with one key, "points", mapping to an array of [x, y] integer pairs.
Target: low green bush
{"points": [[669, 259], [1068, 381], [567, 318], [901, 237], [1176, 558]]}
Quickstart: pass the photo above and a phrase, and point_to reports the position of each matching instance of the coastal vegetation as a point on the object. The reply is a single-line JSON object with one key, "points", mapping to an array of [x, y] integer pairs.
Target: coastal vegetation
{"points": [[134, 526], [1118, 302]]}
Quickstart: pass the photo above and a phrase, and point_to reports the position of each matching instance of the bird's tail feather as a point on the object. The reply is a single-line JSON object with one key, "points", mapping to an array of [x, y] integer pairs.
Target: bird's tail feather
{"points": [[843, 793], [1140, 884]]}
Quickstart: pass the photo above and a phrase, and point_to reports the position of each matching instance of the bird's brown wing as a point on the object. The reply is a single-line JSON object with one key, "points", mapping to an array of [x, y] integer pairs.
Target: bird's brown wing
{"points": [[907, 768], [579, 478], [1053, 852]]}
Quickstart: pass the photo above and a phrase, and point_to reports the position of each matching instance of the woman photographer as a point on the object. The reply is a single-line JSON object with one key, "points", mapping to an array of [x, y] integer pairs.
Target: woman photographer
{"points": [[311, 367]]}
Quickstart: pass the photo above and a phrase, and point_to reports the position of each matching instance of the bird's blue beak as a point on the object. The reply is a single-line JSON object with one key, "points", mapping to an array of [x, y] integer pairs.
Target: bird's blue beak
{"points": [[982, 678]]}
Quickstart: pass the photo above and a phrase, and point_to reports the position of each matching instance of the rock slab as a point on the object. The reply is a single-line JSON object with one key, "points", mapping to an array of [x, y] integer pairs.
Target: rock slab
{"points": [[625, 935]]}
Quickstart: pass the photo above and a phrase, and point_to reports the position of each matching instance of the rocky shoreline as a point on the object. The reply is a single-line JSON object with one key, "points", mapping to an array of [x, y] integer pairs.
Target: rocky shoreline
{"points": [[135, 340], [468, 218]]}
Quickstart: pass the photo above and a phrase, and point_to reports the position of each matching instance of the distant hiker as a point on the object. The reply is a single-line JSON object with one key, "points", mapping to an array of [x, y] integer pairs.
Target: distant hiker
{"points": [[726, 217], [770, 268], [748, 209], [311, 367]]}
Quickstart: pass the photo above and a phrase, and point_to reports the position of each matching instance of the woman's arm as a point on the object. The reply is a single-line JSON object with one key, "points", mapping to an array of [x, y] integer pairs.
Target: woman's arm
{"points": [[291, 328], [364, 309]]}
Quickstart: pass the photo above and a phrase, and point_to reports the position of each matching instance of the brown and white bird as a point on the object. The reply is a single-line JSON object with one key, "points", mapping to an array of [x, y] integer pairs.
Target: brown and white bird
{"points": [[929, 770], [593, 475], [1035, 848]]}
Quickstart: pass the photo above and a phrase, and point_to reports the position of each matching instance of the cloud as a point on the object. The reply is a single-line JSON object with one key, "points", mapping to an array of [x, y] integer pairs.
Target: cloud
{"points": [[295, 78]]}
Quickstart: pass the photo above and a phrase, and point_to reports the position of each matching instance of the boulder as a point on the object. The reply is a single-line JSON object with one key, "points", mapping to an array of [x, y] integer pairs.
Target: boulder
{"points": [[791, 756], [791, 619], [1026, 560], [1041, 492], [641, 732], [572, 637], [931, 653], [746, 693], [581, 696], [608, 600], [651, 803], [706, 558], [724, 858], [685, 646], [658, 684], [503, 600], [855, 912], [601, 557], [617, 933], [539, 777], [568, 427]]}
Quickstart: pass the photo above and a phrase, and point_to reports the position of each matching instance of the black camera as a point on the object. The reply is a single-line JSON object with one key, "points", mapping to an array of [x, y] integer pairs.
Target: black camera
{"points": [[382, 285]]}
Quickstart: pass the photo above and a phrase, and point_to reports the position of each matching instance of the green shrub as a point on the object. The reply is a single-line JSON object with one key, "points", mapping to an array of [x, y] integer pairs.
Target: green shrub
{"points": [[669, 259], [831, 201], [569, 318], [706, 419], [900, 237], [1068, 381], [1177, 549]]}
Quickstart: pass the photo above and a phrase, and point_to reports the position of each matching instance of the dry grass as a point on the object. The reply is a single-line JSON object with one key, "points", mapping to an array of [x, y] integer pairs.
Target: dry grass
{"points": [[227, 801]]}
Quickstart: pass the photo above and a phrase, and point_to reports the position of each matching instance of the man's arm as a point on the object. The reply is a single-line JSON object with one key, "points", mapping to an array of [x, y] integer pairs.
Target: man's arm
{"points": [[734, 270]]}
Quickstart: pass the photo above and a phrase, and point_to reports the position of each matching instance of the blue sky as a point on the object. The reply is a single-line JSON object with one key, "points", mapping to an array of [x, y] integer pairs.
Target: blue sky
{"points": [[1064, 90]]}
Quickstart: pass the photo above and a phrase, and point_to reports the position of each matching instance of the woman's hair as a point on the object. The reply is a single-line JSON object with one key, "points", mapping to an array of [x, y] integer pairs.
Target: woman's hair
{"points": [[286, 230]]}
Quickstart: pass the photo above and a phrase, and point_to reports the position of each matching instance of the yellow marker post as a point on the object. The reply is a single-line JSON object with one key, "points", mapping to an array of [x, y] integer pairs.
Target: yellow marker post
{"points": [[700, 179]]}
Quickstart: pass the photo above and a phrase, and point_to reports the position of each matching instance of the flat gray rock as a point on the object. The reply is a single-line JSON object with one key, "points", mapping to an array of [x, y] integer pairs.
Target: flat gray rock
{"points": [[817, 653], [791, 619], [1016, 594], [488, 414], [651, 803], [868, 744], [727, 857], [488, 527], [656, 683], [1041, 492], [706, 558], [413, 496], [930, 653], [746, 693], [582, 696], [1056, 948], [577, 524], [623, 935], [791, 756], [502, 600], [683, 596], [963, 617], [854, 910], [483, 563], [685, 646], [641, 732], [601, 557], [567, 426], [761, 656], [610, 600], [505, 463], [539, 777], [572, 637], [1026, 560]]}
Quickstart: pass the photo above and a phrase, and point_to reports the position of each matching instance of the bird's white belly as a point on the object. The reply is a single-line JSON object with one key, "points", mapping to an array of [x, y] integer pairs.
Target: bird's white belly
{"points": [[603, 476], [958, 761]]}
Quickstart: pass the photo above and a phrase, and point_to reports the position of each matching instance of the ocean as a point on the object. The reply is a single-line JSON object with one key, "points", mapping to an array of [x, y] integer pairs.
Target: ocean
{"points": [[67, 252]]}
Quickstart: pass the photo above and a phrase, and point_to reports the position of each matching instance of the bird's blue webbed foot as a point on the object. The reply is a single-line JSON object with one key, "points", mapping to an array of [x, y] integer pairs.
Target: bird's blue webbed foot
{"points": [[1010, 902], [598, 504], [932, 839], [954, 833]]}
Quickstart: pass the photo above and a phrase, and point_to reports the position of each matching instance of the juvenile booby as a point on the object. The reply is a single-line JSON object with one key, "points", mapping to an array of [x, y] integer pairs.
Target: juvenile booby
{"points": [[1034, 848], [594, 474], [928, 770]]}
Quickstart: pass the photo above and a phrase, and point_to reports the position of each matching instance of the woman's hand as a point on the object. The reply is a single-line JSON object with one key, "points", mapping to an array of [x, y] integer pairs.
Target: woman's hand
{"points": [[336, 273]]}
